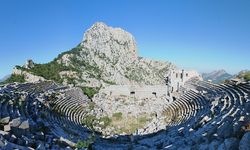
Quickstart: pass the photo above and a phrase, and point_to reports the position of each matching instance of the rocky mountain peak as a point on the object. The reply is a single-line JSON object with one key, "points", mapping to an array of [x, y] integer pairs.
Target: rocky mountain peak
{"points": [[216, 76], [29, 64], [105, 56], [114, 43]]}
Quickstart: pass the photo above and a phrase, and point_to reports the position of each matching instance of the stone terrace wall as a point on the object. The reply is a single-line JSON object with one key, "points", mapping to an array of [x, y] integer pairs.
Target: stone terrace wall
{"points": [[136, 91]]}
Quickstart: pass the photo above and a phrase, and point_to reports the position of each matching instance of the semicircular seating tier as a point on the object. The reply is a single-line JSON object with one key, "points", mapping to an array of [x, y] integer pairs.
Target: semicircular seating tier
{"points": [[47, 115]]}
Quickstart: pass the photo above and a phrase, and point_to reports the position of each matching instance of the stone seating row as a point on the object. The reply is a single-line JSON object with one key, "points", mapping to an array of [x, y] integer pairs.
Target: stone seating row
{"points": [[21, 102], [187, 106]]}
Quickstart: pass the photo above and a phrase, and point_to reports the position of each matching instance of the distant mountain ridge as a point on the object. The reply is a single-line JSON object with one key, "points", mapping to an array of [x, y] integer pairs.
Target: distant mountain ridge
{"points": [[217, 76], [4, 78]]}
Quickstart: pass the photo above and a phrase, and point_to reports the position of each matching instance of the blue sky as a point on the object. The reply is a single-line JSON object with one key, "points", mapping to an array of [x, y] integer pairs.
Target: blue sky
{"points": [[197, 34]]}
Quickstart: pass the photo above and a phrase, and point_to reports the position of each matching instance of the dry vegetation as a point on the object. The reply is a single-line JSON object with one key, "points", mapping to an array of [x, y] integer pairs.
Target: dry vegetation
{"points": [[128, 124]]}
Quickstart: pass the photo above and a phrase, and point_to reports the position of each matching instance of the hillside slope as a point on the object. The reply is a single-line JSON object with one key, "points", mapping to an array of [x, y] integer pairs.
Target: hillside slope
{"points": [[106, 55], [245, 74]]}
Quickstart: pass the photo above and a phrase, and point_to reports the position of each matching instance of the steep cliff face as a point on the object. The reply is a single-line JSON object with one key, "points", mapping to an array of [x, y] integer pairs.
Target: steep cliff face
{"points": [[118, 45], [106, 55]]}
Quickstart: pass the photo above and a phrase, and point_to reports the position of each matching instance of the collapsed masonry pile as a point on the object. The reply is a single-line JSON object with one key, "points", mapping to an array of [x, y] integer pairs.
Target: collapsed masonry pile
{"points": [[47, 116], [210, 116], [28, 119]]}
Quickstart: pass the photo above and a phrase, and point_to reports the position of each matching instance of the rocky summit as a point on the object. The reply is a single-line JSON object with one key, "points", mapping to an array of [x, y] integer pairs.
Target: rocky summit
{"points": [[103, 95], [105, 56]]}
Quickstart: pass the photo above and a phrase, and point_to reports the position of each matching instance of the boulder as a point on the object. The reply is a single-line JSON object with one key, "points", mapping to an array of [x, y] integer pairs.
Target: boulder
{"points": [[5, 120], [21, 141], [237, 129], [205, 120], [3, 133], [6, 128], [39, 136], [67, 142], [214, 145], [12, 138], [231, 143], [140, 147], [203, 147], [2, 143], [15, 122], [225, 130], [185, 148], [24, 125], [247, 106], [11, 146], [245, 142], [40, 146]]}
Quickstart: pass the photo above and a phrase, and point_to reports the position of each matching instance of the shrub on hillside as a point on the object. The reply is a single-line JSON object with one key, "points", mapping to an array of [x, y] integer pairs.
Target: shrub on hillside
{"points": [[90, 91], [247, 76], [117, 116], [15, 78]]}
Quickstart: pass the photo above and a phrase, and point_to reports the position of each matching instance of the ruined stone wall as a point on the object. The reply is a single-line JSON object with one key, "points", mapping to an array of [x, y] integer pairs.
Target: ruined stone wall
{"points": [[136, 91], [177, 79]]}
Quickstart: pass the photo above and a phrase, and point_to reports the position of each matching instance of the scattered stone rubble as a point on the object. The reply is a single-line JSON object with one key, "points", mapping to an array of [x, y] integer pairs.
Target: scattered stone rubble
{"points": [[45, 115]]}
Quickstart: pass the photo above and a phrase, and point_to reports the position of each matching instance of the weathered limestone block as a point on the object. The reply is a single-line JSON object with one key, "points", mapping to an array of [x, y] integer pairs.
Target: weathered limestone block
{"points": [[203, 146], [225, 130], [15, 122], [21, 141], [3, 133], [2, 143], [12, 138], [5, 120], [245, 142], [6, 128], [24, 125], [40, 136], [237, 128], [40, 146], [214, 145], [68, 142], [231, 143]]}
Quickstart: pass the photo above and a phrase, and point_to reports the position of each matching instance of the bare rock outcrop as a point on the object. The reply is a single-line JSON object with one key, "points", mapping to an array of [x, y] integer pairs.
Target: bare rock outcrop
{"points": [[109, 55], [29, 77], [116, 43]]}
